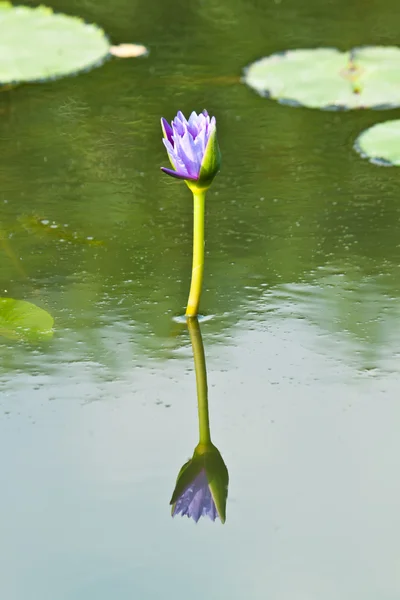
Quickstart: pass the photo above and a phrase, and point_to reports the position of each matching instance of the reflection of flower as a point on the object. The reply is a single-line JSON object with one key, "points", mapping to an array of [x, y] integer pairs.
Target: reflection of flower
{"points": [[196, 501], [192, 148], [202, 485]]}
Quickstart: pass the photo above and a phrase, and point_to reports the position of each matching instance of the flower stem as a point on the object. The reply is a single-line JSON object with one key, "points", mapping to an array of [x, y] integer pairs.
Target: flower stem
{"points": [[201, 379], [196, 284]]}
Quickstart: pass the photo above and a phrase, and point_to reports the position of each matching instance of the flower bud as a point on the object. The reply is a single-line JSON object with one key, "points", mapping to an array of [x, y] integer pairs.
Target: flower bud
{"points": [[193, 149]]}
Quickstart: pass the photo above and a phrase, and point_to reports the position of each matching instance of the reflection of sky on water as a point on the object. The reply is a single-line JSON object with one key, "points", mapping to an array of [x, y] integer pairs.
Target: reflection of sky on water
{"points": [[311, 443], [348, 313]]}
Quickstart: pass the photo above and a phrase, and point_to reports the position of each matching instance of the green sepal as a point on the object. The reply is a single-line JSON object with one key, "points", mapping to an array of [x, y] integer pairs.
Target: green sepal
{"points": [[218, 480], [210, 165], [186, 475]]}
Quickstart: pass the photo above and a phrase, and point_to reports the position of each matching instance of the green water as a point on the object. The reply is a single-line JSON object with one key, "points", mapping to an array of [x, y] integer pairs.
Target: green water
{"points": [[302, 288]]}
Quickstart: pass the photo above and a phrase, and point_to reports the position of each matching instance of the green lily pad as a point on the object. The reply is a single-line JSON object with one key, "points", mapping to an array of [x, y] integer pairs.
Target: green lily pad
{"points": [[24, 321], [325, 78], [37, 44], [381, 144]]}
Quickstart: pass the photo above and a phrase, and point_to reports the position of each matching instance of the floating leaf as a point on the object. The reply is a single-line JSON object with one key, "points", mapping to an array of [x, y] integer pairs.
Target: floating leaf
{"points": [[128, 50], [25, 321], [37, 44], [381, 144], [47, 228], [366, 77]]}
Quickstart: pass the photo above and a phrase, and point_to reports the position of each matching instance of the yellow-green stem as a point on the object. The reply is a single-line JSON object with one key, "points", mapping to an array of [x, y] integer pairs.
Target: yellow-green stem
{"points": [[201, 380], [196, 284]]}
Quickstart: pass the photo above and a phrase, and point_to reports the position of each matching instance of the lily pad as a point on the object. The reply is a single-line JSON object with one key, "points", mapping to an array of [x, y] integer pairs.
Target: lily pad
{"points": [[24, 321], [325, 78], [381, 144], [37, 44]]}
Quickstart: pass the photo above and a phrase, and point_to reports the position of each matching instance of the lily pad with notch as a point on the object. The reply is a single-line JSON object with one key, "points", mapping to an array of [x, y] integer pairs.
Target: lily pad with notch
{"points": [[327, 79], [37, 44]]}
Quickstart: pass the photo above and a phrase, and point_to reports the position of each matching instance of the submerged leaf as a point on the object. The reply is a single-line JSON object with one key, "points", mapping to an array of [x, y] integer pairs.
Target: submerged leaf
{"points": [[37, 44], [24, 321], [52, 230], [381, 144], [365, 77]]}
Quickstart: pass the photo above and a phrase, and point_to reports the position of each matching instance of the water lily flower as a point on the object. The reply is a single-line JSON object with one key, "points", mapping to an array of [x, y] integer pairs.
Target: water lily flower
{"points": [[193, 151], [192, 148], [202, 485]]}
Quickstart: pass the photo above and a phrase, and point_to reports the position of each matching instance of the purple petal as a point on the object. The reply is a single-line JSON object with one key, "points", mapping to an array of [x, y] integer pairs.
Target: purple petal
{"points": [[176, 174], [193, 117], [181, 117], [175, 159], [196, 501], [187, 151], [171, 152], [201, 141], [205, 113], [167, 130], [193, 124], [180, 122]]}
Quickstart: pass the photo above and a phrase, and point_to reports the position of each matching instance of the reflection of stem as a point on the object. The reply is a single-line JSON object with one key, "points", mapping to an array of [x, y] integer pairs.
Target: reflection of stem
{"points": [[201, 379], [198, 254], [11, 255]]}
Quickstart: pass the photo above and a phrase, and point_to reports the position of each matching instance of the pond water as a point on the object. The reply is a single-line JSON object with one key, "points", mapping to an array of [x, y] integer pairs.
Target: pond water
{"points": [[302, 287]]}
